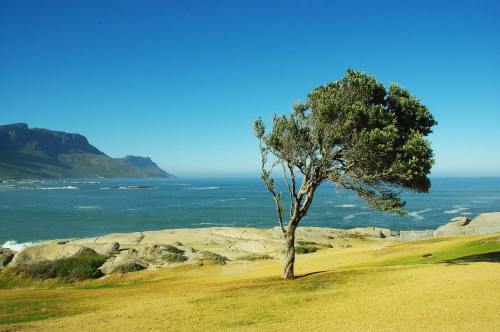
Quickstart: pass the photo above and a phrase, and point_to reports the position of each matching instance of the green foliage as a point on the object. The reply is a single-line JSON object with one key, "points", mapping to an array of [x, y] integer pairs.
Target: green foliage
{"points": [[354, 133], [214, 258], [312, 243], [174, 254], [172, 249], [355, 235], [84, 266], [305, 249], [256, 257], [174, 257]]}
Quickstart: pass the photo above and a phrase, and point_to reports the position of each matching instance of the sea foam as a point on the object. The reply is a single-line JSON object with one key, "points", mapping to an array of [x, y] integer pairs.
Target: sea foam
{"points": [[457, 209], [346, 206], [416, 214], [13, 245], [58, 188]]}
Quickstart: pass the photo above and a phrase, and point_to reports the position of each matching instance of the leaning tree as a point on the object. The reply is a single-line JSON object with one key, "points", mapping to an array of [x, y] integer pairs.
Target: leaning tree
{"points": [[353, 133]]}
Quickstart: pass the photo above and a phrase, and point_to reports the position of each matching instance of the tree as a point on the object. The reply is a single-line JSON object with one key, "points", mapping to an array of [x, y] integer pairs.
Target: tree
{"points": [[353, 133]]}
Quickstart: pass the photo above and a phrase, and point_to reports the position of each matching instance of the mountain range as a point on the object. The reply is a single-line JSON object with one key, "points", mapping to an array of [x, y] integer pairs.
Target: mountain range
{"points": [[34, 153]]}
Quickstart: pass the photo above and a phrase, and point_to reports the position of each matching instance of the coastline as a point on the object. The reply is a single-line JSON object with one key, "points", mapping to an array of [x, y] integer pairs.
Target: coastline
{"points": [[171, 247]]}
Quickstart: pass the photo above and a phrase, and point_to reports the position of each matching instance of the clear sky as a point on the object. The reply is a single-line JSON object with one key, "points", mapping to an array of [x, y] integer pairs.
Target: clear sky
{"points": [[182, 81]]}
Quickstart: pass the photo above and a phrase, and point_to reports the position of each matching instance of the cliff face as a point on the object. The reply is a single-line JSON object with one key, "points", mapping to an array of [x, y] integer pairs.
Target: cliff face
{"points": [[41, 153]]}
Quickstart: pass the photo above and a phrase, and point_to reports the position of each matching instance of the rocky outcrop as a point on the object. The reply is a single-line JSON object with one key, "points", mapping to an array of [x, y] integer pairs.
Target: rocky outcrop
{"points": [[485, 223], [6, 256], [154, 249], [454, 227], [482, 224], [370, 232], [105, 249], [122, 263], [48, 252], [148, 256]]}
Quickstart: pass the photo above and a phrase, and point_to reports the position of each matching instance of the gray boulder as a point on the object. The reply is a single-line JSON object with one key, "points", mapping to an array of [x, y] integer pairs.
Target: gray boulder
{"points": [[156, 254], [486, 223], [450, 229], [107, 249], [122, 263], [48, 252], [482, 224], [6, 256], [371, 232]]}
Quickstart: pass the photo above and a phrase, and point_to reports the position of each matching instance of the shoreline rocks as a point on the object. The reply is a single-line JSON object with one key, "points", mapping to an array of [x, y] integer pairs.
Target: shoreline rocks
{"points": [[484, 223], [128, 252], [48, 252]]}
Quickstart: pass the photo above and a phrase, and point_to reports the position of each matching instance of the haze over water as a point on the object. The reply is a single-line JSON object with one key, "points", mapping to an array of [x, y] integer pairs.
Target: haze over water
{"points": [[77, 208]]}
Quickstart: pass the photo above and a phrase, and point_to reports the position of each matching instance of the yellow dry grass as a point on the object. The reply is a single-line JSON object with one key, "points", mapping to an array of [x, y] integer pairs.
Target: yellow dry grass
{"points": [[374, 286]]}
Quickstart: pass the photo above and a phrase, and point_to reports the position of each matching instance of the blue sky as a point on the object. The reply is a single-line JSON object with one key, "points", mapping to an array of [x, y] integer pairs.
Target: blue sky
{"points": [[182, 81]]}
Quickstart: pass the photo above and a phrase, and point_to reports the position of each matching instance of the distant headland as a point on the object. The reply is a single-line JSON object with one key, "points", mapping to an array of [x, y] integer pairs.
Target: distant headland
{"points": [[34, 153]]}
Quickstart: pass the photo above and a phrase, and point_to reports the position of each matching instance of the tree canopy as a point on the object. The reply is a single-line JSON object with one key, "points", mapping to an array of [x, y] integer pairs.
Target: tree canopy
{"points": [[352, 132]]}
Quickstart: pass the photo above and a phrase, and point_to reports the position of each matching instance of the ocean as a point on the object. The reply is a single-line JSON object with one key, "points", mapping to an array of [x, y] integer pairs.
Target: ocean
{"points": [[53, 209]]}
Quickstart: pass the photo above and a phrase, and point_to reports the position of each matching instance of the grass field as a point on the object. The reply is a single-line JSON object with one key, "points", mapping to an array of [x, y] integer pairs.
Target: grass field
{"points": [[435, 285]]}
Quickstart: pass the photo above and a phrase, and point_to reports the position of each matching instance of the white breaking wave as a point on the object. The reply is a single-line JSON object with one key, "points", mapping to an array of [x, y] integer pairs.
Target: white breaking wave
{"points": [[457, 209], [58, 188], [87, 207], [13, 245], [354, 215], [204, 188], [233, 199], [416, 214], [129, 188], [346, 205]]}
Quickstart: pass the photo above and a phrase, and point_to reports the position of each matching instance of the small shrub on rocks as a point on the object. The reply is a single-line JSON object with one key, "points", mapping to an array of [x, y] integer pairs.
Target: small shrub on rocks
{"points": [[84, 266], [305, 249], [214, 258]]}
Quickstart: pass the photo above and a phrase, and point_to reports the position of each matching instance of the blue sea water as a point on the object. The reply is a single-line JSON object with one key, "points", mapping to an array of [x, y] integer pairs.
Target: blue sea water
{"points": [[76, 208]]}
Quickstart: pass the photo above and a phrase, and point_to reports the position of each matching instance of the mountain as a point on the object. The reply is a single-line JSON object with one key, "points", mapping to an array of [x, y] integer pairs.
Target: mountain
{"points": [[41, 153], [146, 164]]}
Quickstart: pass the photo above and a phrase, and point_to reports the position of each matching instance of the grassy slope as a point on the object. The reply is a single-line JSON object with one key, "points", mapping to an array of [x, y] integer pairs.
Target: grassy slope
{"points": [[378, 285]]}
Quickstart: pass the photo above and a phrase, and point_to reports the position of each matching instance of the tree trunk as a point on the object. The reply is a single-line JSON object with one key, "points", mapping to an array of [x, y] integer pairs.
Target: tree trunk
{"points": [[289, 254]]}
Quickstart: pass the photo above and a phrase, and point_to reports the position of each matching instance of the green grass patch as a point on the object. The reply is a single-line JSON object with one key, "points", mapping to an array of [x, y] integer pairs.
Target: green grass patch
{"points": [[11, 278], [305, 249], [98, 286], [81, 267], [465, 252], [30, 310]]}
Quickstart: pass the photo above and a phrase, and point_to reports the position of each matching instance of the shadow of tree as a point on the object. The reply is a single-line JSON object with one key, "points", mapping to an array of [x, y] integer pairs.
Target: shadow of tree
{"points": [[493, 257], [310, 273]]}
